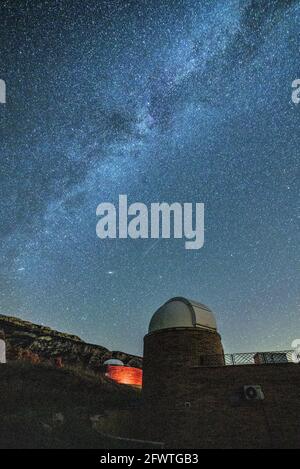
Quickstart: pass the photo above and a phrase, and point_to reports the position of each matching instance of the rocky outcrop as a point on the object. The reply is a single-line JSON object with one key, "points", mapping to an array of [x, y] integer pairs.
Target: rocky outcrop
{"points": [[44, 344]]}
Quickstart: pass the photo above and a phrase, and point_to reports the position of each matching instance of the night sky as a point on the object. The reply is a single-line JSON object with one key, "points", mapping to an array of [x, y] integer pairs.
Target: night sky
{"points": [[165, 101]]}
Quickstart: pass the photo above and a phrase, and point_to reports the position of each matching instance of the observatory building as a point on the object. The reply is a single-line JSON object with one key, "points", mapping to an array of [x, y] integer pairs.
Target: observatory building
{"points": [[194, 399], [182, 333], [180, 312]]}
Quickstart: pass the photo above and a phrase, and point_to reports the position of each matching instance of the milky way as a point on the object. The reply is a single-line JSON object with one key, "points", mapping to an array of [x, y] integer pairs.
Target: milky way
{"points": [[169, 101]]}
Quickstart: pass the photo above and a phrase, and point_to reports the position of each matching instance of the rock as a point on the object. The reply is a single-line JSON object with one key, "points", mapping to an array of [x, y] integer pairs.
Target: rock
{"points": [[32, 342], [95, 419], [135, 363], [47, 428], [58, 419], [23, 334]]}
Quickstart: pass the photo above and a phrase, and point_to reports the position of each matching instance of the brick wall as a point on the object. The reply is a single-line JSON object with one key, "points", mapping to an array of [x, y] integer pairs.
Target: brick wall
{"points": [[174, 348], [202, 407]]}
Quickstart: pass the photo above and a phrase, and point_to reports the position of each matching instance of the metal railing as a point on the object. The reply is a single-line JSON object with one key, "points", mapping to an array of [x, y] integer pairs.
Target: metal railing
{"points": [[255, 358]]}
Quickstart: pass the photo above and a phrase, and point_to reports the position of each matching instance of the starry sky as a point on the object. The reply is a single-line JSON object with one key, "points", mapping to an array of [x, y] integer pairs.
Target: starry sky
{"points": [[165, 101]]}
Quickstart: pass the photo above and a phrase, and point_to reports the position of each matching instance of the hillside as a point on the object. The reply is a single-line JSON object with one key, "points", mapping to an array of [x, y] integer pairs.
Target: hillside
{"points": [[44, 407], [48, 344]]}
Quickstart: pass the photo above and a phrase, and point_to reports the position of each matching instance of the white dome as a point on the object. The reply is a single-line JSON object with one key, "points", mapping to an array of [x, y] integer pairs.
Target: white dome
{"points": [[113, 362], [180, 312]]}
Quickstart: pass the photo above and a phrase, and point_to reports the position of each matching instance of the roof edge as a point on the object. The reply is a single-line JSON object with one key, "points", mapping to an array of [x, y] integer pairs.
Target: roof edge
{"points": [[188, 302]]}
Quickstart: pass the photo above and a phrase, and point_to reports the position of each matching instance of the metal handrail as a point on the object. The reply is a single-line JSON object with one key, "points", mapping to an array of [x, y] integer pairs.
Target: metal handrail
{"points": [[253, 358]]}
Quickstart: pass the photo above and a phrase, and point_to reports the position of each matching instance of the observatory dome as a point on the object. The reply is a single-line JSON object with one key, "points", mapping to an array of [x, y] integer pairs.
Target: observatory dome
{"points": [[113, 362], [180, 312]]}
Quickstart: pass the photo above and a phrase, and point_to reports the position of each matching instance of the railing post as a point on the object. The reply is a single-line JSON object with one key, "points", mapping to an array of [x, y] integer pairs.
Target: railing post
{"points": [[265, 359]]}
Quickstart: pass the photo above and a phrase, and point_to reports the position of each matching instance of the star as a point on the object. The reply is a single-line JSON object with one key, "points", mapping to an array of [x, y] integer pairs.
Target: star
{"points": [[186, 102]]}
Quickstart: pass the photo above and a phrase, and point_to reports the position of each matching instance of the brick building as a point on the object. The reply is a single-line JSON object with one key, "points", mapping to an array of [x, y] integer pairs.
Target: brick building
{"points": [[194, 400]]}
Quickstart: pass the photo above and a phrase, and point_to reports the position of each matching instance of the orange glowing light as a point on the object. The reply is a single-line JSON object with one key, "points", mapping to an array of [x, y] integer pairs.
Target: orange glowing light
{"points": [[125, 375]]}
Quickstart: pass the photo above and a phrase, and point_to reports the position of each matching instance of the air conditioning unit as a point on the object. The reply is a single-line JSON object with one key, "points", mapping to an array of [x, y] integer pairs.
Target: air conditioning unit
{"points": [[253, 393]]}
